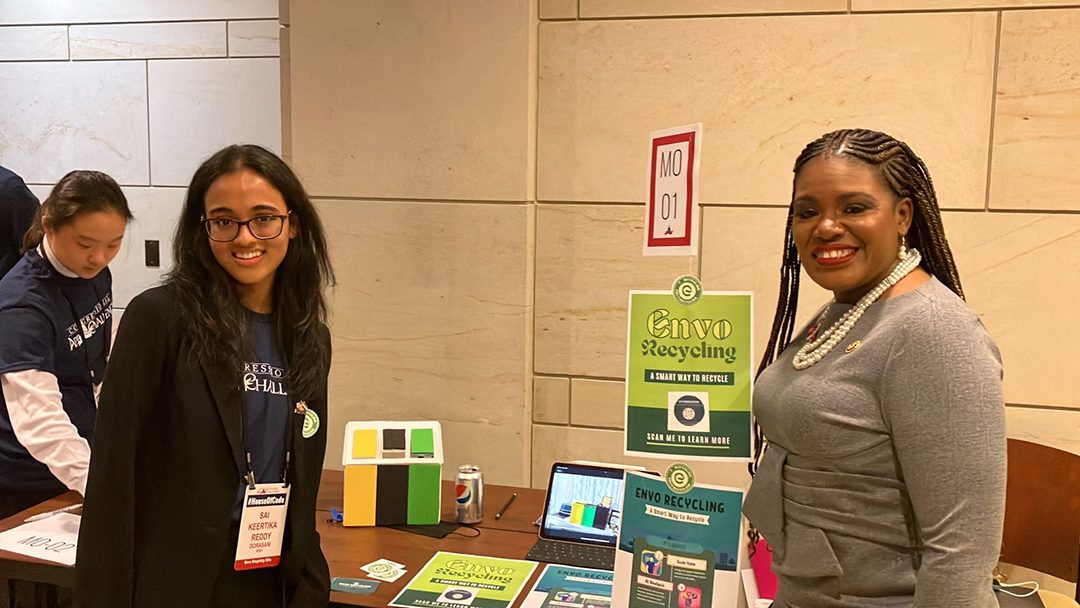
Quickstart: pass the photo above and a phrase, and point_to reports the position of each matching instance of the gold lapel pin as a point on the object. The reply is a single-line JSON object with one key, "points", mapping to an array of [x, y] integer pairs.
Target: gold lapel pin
{"points": [[851, 347]]}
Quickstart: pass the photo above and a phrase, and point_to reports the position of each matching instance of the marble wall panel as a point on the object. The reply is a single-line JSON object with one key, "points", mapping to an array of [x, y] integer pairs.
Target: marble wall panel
{"points": [[587, 260], [685, 8], [551, 400], [429, 322], [156, 211], [597, 403], [937, 5], [253, 38], [412, 98], [41, 191], [200, 106], [63, 125], [1019, 274], [148, 40], [1037, 127], [558, 9], [565, 443], [763, 88], [30, 43], [742, 250], [110, 11]]}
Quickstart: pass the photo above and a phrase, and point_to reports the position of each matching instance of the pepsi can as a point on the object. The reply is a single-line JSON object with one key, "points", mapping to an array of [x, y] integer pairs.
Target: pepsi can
{"points": [[470, 494]]}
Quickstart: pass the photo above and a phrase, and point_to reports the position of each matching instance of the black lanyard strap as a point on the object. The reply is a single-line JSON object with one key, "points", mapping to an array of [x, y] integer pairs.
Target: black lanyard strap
{"points": [[289, 444], [106, 326]]}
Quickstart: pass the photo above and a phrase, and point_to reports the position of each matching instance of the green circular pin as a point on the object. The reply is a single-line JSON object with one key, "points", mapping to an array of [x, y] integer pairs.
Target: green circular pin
{"points": [[687, 289], [680, 478], [311, 424]]}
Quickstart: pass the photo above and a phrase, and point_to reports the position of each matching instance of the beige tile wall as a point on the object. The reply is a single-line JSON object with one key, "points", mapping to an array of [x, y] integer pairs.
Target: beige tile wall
{"points": [[588, 257], [414, 99], [390, 102], [1036, 131], [687, 8], [430, 316], [944, 5], [762, 87]]}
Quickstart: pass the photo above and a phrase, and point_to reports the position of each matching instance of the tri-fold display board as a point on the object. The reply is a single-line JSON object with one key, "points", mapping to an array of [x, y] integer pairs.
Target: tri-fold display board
{"points": [[393, 473]]}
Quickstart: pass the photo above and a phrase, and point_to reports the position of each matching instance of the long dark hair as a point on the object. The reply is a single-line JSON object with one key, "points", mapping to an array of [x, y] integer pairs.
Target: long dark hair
{"points": [[907, 176], [76, 193], [217, 322]]}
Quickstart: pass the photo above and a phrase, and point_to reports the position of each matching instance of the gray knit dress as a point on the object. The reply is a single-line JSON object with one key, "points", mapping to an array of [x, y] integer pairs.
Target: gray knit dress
{"points": [[883, 483]]}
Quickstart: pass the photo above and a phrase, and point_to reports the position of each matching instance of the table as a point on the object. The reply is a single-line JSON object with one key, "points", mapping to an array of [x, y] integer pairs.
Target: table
{"points": [[347, 549], [20, 567]]}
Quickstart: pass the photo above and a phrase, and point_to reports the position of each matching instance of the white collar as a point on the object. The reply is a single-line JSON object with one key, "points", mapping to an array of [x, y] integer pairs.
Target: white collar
{"points": [[55, 262]]}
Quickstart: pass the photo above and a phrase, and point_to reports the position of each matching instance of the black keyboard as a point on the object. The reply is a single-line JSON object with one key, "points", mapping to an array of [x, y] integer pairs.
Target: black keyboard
{"points": [[573, 554]]}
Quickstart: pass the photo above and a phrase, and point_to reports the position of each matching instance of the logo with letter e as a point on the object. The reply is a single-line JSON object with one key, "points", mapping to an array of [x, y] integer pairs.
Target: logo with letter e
{"points": [[679, 478]]}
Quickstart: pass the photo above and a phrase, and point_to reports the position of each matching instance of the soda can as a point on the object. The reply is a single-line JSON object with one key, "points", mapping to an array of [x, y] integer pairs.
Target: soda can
{"points": [[470, 494]]}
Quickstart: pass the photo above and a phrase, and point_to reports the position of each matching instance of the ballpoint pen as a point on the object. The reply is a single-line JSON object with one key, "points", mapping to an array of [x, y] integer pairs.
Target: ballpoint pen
{"points": [[41, 516], [506, 506]]}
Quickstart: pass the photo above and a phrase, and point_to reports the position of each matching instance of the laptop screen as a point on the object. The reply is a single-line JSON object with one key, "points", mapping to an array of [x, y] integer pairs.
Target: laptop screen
{"points": [[584, 504]]}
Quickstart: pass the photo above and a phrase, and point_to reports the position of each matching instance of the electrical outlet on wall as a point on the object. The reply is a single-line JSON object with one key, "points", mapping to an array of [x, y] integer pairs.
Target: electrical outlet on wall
{"points": [[153, 256]]}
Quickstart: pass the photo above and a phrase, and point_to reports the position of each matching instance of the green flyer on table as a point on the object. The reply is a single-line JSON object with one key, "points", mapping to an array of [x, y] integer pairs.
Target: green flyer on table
{"points": [[689, 375], [453, 580]]}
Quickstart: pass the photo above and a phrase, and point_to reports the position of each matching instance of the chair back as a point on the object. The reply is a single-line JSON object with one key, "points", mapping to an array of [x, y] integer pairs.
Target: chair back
{"points": [[1042, 510]]}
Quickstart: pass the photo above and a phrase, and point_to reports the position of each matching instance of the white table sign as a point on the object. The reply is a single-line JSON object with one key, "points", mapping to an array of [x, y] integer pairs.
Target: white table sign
{"points": [[53, 539], [671, 215]]}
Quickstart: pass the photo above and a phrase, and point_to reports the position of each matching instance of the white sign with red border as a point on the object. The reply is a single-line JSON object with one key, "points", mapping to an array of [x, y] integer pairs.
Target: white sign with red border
{"points": [[671, 215]]}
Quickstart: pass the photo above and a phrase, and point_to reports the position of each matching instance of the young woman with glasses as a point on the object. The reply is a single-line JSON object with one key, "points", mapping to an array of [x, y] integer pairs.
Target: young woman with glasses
{"points": [[217, 390]]}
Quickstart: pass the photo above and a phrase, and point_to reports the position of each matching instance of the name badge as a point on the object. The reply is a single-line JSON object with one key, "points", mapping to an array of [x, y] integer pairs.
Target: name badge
{"points": [[262, 526]]}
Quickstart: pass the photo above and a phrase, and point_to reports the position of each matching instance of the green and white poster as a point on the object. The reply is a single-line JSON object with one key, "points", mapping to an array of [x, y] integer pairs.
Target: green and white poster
{"points": [[689, 373], [678, 546], [453, 580]]}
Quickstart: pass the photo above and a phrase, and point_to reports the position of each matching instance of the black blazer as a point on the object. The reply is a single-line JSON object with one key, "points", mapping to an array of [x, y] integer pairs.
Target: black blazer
{"points": [[164, 471]]}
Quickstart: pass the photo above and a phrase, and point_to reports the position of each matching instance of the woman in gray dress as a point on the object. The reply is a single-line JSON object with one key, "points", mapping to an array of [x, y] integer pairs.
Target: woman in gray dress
{"points": [[882, 480]]}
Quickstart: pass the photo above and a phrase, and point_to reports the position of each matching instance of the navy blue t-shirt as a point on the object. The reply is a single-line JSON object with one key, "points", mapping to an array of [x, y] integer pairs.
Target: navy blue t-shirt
{"points": [[58, 325], [266, 406]]}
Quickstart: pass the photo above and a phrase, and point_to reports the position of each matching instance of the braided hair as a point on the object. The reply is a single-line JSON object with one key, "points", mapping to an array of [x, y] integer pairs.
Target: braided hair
{"points": [[907, 176]]}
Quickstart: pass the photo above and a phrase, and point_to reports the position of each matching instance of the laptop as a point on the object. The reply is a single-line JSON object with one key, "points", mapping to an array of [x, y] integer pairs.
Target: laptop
{"points": [[580, 525]]}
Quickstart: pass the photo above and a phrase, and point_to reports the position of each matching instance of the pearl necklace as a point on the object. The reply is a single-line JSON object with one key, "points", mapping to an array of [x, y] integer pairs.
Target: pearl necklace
{"points": [[817, 347]]}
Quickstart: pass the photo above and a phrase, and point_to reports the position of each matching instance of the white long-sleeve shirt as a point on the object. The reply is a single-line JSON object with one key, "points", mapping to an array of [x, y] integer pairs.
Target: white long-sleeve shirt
{"points": [[43, 427]]}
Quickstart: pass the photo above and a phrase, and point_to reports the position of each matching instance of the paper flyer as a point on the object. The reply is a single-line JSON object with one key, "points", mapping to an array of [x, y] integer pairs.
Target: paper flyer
{"points": [[677, 550], [689, 375], [453, 580], [570, 587]]}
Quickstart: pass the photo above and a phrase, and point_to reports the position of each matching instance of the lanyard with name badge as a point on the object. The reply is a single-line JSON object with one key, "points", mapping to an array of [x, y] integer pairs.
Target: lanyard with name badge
{"points": [[264, 510]]}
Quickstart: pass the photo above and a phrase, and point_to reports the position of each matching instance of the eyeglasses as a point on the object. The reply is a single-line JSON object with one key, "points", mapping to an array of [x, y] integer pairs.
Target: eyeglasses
{"points": [[263, 227]]}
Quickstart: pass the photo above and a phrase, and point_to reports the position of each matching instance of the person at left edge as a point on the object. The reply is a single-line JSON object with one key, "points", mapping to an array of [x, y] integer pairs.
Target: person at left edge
{"points": [[228, 359], [17, 209], [56, 319]]}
